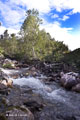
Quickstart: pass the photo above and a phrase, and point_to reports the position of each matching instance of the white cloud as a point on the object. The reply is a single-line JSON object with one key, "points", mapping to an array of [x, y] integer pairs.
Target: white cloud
{"points": [[2, 29], [62, 34], [55, 16], [41, 5], [10, 30], [45, 6], [12, 17], [65, 17], [61, 5]]}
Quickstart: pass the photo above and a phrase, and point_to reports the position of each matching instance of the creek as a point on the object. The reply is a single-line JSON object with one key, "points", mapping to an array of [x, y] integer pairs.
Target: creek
{"points": [[65, 103]]}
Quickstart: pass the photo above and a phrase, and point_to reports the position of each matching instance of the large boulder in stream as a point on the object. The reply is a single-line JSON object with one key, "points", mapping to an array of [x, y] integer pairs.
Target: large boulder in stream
{"points": [[3, 89], [76, 88], [68, 80], [7, 82]]}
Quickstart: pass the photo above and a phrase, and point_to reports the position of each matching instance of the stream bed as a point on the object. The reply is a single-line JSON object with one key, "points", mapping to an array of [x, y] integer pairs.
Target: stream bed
{"points": [[67, 103], [46, 100]]}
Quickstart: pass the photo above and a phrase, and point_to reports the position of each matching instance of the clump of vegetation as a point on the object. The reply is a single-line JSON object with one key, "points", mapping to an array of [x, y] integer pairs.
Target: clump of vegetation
{"points": [[1, 51], [73, 58], [32, 43], [7, 65], [58, 52]]}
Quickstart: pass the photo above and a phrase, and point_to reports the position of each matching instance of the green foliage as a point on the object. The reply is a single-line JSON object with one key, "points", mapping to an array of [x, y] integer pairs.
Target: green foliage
{"points": [[1, 51], [33, 43], [8, 65], [73, 58], [13, 43], [9, 45], [58, 51], [29, 32]]}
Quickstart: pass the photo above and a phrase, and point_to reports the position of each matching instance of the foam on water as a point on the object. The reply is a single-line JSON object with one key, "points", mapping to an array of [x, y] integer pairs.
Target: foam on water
{"points": [[30, 81], [12, 71], [39, 87]]}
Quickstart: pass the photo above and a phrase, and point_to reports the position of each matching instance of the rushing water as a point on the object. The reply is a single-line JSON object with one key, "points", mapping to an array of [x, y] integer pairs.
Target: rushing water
{"points": [[52, 91], [40, 87]]}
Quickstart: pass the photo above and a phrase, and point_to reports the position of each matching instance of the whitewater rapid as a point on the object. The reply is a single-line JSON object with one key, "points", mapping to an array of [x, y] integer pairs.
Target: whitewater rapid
{"points": [[37, 85], [41, 88]]}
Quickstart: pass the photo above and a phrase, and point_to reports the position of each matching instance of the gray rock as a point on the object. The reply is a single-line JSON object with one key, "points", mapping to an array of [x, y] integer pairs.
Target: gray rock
{"points": [[4, 82], [76, 88], [2, 86], [19, 114], [70, 79], [7, 83]]}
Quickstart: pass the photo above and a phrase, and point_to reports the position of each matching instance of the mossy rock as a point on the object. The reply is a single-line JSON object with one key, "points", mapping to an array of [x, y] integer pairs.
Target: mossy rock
{"points": [[8, 65], [19, 113], [17, 107]]}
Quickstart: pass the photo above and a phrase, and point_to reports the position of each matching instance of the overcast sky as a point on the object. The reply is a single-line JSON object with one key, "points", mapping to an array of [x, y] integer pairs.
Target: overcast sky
{"points": [[61, 18]]}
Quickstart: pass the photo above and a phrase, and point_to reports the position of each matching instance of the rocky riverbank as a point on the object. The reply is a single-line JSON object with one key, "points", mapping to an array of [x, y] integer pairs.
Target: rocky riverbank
{"points": [[40, 91]]}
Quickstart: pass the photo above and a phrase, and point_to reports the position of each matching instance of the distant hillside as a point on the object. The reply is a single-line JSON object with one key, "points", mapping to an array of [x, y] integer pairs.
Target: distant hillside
{"points": [[73, 58]]}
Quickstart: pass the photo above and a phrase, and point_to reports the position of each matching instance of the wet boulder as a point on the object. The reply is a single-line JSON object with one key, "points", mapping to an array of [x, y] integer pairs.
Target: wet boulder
{"points": [[3, 89], [20, 113], [53, 113], [2, 86], [48, 89], [76, 88], [68, 80], [5, 101], [34, 106], [7, 82]]}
